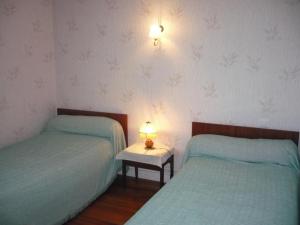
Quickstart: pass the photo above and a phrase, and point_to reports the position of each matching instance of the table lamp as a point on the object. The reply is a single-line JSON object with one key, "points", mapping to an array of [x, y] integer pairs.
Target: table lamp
{"points": [[148, 132]]}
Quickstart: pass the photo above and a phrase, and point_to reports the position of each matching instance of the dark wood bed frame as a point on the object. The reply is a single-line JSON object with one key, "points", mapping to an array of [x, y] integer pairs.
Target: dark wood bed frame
{"points": [[121, 118], [244, 132]]}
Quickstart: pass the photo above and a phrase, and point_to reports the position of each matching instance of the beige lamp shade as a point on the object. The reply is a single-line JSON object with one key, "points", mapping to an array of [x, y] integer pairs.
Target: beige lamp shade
{"points": [[147, 130]]}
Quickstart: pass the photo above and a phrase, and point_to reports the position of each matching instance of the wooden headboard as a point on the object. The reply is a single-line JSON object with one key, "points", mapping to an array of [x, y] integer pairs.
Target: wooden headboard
{"points": [[121, 118], [244, 132]]}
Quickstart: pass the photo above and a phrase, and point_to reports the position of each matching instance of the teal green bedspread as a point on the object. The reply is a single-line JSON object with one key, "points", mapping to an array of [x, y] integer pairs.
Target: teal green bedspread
{"points": [[49, 178], [211, 191]]}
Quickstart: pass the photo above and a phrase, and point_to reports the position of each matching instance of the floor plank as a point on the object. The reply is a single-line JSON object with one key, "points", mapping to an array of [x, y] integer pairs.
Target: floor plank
{"points": [[117, 204]]}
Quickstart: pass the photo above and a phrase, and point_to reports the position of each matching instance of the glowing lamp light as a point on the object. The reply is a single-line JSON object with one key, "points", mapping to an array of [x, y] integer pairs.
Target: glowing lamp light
{"points": [[155, 33], [148, 132]]}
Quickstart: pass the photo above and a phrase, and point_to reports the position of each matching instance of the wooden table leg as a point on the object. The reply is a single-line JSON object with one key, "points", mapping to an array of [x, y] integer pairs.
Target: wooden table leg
{"points": [[172, 166], [136, 172], [162, 176], [124, 173]]}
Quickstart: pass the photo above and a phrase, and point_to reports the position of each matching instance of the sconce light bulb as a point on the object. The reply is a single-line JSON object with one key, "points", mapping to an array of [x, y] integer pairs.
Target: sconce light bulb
{"points": [[155, 31]]}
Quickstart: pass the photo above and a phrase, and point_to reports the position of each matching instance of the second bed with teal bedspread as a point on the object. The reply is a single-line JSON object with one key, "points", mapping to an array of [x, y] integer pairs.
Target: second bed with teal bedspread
{"points": [[51, 177], [212, 190]]}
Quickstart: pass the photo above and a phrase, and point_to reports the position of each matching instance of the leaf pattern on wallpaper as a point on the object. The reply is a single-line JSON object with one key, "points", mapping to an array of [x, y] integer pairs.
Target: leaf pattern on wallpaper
{"points": [[51, 109], [174, 80], [127, 36], [145, 7], [101, 30], [32, 108], [229, 60], [272, 33], [267, 106], [81, 1], [3, 104], [72, 25], [176, 139], [176, 12], [292, 2], [102, 88], [171, 140], [46, 3], [160, 51], [290, 74], [112, 4], [113, 64], [253, 63], [195, 115], [89, 108], [66, 102], [74, 81], [2, 42], [8, 7], [36, 40], [197, 52], [159, 108], [86, 55], [127, 96], [63, 48], [210, 90], [19, 133], [28, 49], [48, 57], [40, 83], [13, 73], [146, 71], [212, 23], [37, 26]]}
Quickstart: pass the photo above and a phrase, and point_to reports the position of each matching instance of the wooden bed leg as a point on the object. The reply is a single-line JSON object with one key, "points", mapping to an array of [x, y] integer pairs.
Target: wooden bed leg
{"points": [[124, 173]]}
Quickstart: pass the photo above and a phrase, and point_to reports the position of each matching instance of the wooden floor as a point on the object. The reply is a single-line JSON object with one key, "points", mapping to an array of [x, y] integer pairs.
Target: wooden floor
{"points": [[117, 204]]}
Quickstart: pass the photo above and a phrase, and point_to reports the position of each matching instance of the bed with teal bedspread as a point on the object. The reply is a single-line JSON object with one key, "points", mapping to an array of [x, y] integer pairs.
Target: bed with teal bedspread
{"points": [[212, 189], [49, 178]]}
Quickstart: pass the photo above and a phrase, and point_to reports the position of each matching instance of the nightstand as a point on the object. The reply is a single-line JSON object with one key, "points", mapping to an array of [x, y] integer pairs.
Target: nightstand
{"points": [[138, 156]]}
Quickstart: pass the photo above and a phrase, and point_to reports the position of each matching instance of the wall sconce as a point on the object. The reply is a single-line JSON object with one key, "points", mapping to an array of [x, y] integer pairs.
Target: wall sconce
{"points": [[155, 33]]}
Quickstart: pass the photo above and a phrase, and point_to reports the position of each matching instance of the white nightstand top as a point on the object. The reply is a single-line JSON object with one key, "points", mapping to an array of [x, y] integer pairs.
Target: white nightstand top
{"points": [[138, 153]]}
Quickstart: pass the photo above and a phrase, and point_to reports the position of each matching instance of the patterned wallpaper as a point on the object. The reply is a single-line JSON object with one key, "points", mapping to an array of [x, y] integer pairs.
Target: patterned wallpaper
{"points": [[27, 70], [231, 61]]}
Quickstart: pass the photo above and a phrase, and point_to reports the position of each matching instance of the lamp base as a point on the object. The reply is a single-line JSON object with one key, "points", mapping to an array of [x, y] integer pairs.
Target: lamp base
{"points": [[149, 143]]}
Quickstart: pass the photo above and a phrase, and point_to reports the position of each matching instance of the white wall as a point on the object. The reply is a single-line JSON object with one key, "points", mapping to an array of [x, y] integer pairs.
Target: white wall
{"points": [[230, 61], [27, 72]]}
